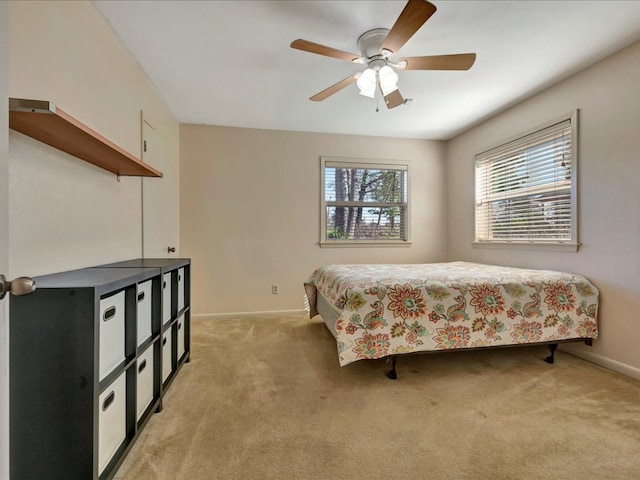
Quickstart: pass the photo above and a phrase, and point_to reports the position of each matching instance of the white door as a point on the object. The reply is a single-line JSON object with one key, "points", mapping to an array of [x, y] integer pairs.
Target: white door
{"points": [[4, 239], [160, 207]]}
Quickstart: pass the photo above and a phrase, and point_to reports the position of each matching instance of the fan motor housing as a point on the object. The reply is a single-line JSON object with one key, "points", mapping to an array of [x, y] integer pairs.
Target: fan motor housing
{"points": [[370, 42]]}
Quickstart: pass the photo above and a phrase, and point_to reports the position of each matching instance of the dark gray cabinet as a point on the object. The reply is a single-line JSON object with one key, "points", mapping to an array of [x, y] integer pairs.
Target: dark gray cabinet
{"points": [[175, 275], [92, 352]]}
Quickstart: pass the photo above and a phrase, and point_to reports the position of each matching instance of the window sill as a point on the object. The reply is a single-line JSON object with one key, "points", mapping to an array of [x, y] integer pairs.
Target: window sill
{"points": [[364, 243], [558, 247]]}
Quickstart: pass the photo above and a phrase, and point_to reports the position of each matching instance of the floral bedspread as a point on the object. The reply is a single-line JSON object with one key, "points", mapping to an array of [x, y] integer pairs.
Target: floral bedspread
{"points": [[394, 309]]}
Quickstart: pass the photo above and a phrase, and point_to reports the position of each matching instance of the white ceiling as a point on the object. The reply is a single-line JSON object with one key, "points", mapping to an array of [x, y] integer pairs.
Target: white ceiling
{"points": [[229, 62]]}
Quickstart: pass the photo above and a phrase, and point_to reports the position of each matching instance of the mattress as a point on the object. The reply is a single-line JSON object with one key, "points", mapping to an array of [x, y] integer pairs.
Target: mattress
{"points": [[378, 310]]}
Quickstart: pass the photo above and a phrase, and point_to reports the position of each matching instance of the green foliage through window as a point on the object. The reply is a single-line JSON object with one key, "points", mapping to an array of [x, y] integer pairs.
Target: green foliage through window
{"points": [[365, 202]]}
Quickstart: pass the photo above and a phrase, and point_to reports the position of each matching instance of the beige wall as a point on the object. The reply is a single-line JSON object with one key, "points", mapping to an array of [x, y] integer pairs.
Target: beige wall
{"points": [[608, 98], [4, 239], [250, 212], [65, 213]]}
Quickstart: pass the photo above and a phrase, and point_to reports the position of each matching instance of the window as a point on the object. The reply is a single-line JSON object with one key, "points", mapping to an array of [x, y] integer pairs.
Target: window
{"points": [[363, 201], [526, 189]]}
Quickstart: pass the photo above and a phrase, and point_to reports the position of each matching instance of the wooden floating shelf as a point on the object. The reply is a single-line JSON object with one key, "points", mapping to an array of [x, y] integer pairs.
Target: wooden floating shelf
{"points": [[42, 120]]}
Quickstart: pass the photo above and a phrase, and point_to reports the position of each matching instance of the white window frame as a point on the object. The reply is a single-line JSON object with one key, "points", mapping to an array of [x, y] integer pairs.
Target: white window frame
{"points": [[350, 162], [569, 245]]}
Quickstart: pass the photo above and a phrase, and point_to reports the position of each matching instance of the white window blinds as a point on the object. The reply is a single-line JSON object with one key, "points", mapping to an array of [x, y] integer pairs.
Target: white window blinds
{"points": [[525, 190]]}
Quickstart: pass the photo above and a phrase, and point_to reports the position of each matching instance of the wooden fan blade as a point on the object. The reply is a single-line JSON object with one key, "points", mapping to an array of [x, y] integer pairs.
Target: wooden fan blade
{"points": [[307, 46], [327, 92], [461, 61], [393, 99], [415, 13]]}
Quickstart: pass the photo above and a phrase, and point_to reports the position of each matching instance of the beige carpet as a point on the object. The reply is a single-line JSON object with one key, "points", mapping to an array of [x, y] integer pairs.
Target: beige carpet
{"points": [[266, 399]]}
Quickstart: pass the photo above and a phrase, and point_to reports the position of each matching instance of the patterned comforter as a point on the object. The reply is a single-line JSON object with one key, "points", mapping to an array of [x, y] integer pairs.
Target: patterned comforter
{"points": [[393, 309]]}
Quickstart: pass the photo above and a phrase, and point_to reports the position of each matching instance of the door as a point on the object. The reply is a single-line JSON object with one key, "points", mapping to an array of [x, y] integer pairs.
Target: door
{"points": [[160, 209], [4, 238]]}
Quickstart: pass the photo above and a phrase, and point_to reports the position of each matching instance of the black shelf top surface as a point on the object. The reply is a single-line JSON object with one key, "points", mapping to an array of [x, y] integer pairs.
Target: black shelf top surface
{"points": [[103, 279], [162, 263]]}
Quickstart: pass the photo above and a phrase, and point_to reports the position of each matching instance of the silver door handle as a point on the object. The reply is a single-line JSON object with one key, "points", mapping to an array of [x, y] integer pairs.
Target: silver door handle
{"points": [[19, 286]]}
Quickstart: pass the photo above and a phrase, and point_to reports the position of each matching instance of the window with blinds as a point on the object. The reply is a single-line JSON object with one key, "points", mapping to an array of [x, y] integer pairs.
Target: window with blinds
{"points": [[363, 201], [526, 189]]}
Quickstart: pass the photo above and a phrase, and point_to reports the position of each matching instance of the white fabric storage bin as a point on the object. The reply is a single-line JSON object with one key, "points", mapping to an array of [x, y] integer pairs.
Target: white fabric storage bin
{"points": [[180, 288], [144, 311], [111, 333], [144, 381], [166, 297], [112, 421], [180, 336], [166, 354]]}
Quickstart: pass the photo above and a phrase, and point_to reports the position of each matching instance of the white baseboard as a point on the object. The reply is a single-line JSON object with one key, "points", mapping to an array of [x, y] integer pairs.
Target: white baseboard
{"points": [[605, 362], [267, 313]]}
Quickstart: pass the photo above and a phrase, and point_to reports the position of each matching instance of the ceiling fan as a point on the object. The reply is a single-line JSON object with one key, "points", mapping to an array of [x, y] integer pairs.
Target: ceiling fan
{"points": [[377, 46]]}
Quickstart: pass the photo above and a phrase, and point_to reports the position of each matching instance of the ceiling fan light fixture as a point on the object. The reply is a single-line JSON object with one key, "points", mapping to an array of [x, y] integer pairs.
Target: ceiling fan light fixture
{"points": [[367, 83], [388, 80], [377, 46]]}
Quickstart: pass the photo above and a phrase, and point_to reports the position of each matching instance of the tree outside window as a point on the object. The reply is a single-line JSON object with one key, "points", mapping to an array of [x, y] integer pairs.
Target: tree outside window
{"points": [[364, 202]]}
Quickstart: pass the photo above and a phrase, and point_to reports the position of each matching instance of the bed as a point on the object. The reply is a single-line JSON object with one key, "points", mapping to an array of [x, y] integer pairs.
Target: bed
{"points": [[377, 311]]}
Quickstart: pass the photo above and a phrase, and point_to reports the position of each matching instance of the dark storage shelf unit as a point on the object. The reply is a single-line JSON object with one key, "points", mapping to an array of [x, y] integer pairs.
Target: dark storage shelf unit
{"points": [[88, 366], [176, 324]]}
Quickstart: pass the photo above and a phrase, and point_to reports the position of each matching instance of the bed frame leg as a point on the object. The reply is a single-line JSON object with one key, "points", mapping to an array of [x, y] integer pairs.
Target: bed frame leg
{"points": [[588, 341], [552, 351], [392, 374]]}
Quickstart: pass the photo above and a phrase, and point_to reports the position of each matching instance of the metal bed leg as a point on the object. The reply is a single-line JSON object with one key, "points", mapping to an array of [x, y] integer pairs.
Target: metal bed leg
{"points": [[552, 351], [392, 373]]}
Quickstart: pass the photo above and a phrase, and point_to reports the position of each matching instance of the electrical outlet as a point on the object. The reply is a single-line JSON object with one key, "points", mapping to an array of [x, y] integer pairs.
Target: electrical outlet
{"points": [[274, 289]]}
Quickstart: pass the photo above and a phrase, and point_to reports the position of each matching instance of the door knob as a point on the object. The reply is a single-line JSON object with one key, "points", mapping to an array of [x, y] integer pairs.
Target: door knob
{"points": [[19, 286]]}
